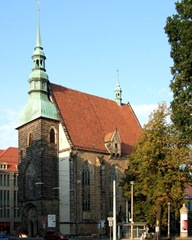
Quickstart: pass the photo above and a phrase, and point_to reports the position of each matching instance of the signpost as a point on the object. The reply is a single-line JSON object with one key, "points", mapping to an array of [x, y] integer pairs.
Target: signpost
{"points": [[110, 220]]}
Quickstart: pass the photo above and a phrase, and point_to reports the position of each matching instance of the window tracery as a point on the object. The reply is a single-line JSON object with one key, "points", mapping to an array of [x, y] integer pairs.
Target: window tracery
{"points": [[86, 187]]}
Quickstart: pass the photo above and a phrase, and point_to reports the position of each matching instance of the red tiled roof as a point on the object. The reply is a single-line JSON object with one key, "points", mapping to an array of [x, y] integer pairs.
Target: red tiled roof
{"points": [[1, 151], [89, 118], [10, 157]]}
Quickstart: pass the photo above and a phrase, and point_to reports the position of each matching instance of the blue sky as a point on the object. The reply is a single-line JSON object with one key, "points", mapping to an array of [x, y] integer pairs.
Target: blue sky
{"points": [[85, 42]]}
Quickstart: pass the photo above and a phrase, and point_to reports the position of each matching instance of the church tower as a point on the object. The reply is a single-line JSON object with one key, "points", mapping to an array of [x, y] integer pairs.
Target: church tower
{"points": [[72, 145], [38, 132]]}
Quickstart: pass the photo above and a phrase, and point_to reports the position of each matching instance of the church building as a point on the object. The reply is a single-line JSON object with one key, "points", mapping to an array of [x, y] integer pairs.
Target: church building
{"points": [[72, 145]]}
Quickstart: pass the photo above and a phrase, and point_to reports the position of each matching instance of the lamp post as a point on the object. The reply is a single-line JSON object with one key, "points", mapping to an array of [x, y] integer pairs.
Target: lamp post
{"points": [[132, 182], [168, 221], [127, 210], [114, 210]]}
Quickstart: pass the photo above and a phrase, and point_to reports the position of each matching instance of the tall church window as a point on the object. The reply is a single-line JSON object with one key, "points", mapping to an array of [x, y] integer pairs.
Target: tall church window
{"points": [[102, 186], [30, 138], [52, 136], [86, 187], [30, 181]]}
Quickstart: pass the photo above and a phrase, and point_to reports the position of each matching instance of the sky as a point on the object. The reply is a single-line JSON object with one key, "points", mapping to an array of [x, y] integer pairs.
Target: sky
{"points": [[85, 43]]}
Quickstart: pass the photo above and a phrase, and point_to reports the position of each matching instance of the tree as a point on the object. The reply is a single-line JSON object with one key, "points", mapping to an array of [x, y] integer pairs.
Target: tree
{"points": [[179, 31], [159, 167]]}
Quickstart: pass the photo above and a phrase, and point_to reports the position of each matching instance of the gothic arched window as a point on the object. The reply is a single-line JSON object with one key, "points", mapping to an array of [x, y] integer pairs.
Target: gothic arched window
{"points": [[30, 139], [86, 187], [52, 136], [30, 180]]}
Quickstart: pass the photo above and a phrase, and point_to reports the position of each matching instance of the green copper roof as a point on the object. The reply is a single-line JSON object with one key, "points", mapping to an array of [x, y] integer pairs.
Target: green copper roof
{"points": [[118, 94], [39, 104], [37, 73]]}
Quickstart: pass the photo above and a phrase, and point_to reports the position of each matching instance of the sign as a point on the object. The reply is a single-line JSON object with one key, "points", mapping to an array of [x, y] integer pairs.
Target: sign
{"points": [[110, 220], [157, 229], [52, 221], [102, 222]]}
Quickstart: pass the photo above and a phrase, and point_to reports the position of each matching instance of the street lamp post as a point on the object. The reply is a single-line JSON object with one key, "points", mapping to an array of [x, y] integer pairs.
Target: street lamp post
{"points": [[114, 210], [168, 221], [127, 210], [132, 182]]}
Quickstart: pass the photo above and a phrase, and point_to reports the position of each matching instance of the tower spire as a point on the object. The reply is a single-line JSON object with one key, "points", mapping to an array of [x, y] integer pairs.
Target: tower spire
{"points": [[39, 102], [38, 41], [118, 91]]}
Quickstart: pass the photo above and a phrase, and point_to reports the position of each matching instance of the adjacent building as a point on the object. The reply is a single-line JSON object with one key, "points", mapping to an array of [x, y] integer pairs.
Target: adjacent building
{"points": [[72, 145], [9, 210]]}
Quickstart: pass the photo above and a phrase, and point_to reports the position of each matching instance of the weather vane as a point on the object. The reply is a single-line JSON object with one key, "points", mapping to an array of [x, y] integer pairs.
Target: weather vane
{"points": [[38, 2]]}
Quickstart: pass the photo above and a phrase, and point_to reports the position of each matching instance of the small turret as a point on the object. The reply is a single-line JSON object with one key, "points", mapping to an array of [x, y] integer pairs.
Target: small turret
{"points": [[118, 92]]}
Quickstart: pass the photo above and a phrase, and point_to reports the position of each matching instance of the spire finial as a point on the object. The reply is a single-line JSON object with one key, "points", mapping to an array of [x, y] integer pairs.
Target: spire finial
{"points": [[38, 41], [38, 6], [117, 76]]}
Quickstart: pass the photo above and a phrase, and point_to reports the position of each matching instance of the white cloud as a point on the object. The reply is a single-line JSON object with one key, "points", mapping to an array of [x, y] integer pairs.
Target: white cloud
{"points": [[8, 123], [163, 94], [144, 111]]}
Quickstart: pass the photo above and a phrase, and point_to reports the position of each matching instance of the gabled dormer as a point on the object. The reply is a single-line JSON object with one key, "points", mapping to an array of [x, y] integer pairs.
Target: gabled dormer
{"points": [[113, 142]]}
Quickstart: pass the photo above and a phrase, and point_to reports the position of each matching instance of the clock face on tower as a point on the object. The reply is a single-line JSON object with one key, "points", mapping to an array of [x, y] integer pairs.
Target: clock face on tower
{"points": [[30, 181]]}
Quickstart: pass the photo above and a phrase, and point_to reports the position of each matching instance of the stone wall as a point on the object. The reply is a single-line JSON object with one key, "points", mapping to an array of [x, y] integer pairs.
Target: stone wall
{"points": [[38, 173]]}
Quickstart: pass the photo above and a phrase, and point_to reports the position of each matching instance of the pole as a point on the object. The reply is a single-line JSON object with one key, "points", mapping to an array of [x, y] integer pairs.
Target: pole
{"points": [[127, 210], [114, 210], [132, 210], [110, 232], [157, 230], [168, 221]]}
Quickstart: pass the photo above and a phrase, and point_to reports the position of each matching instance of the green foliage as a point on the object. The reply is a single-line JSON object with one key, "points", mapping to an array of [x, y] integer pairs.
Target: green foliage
{"points": [[179, 31], [155, 168]]}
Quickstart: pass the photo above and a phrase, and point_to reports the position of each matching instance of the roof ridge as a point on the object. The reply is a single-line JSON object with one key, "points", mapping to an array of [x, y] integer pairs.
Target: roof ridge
{"points": [[84, 92], [134, 114]]}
